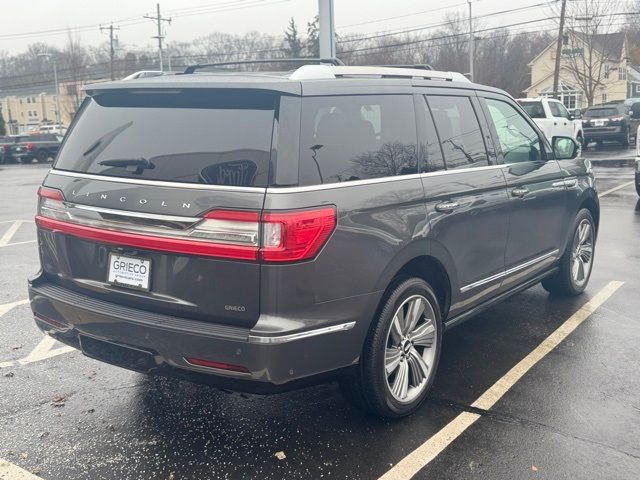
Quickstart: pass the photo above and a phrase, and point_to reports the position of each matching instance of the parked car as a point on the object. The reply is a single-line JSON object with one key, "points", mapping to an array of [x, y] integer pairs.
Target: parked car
{"points": [[370, 209], [35, 147], [7, 144], [553, 118], [52, 129], [607, 122]]}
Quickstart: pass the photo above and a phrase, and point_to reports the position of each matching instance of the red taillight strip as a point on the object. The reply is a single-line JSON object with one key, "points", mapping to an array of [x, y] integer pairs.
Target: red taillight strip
{"points": [[51, 193], [217, 365], [150, 242]]}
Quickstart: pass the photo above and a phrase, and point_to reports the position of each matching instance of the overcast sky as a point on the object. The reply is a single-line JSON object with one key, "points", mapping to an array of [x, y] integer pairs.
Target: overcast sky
{"points": [[23, 22]]}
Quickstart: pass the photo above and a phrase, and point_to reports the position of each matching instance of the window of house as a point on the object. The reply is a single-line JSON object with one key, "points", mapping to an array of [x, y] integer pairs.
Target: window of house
{"points": [[622, 73], [604, 97], [459, 131]]}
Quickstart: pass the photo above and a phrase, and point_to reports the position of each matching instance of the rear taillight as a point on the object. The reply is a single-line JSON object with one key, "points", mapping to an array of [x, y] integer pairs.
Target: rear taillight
{"points": [[294, 236], [29, 146], [199, 362], [279, 236]]}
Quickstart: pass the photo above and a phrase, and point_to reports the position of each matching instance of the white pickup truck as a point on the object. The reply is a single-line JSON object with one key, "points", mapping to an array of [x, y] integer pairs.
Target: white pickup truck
{"points": [[553, 118]]}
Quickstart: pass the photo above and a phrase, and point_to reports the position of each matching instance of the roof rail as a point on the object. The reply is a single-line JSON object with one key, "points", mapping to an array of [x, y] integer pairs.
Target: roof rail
{"points": [[303, 60], [317, 72], [419, 66]]}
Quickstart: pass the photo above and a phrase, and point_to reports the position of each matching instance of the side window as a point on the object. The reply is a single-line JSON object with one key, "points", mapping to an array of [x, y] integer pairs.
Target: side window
{"points": [[518, 140], [558, 110], [429, 143], [345, 138], [459, 132], [564, 113]]}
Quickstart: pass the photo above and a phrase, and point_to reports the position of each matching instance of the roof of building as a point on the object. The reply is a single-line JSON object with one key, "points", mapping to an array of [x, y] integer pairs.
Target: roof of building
{"points": [[609, 44]]}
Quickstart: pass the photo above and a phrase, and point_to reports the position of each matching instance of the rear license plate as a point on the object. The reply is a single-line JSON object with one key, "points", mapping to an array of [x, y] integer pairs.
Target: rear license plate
{"points": [[598, 123], [130, 272]]}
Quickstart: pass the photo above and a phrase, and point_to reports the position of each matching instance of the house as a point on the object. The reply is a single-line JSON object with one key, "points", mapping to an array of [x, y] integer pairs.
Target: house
{"points": [[594, 69], [26, 109]]}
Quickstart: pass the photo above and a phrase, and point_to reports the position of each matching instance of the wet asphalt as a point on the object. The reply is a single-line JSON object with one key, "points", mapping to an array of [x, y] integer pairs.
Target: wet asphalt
{"points": [[576, 414]]}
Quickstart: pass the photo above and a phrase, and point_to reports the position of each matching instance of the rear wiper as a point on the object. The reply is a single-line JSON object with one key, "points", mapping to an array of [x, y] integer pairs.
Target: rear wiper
{"points": [[135, 165]]}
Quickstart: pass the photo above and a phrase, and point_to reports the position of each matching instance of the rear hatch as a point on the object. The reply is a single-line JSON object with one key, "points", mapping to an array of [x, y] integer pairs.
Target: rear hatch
{"points": [[155, 199]]}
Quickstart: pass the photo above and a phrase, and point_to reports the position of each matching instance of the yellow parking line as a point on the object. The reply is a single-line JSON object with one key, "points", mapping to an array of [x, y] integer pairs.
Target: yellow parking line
{"points": [[9, 471], [615, 189], [425, 453]]}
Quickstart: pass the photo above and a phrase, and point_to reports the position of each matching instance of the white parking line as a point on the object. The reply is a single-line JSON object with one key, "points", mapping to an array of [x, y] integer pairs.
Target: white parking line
{"points": [[8, 235], [425, 453], [18, 243], [615, 189], [9, 471]]}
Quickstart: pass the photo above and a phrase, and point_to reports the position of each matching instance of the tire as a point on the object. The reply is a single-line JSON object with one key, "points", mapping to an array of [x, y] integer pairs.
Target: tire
{"points": [[572, 279], [580, 140], [42, 156], [383, 392], [638, 184], [626, 140]]}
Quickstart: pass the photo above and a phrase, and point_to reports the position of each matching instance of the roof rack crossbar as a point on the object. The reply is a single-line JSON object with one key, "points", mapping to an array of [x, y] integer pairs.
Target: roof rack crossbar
{"points": [[302, 60]]}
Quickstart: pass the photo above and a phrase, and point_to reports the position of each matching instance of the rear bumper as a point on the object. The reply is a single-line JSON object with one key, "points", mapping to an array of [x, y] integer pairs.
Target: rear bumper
{"points": [[160, 344], [604, 133]]}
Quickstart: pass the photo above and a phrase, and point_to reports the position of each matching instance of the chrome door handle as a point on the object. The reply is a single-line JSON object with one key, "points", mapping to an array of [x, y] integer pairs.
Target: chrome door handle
{"points": [[447, 207], [519, 192]]}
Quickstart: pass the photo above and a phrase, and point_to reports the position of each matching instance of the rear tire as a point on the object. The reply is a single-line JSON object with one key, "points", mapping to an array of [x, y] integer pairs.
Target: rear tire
{"points": [[626, 140], [400, 355], [42, 156], [577, 261]]}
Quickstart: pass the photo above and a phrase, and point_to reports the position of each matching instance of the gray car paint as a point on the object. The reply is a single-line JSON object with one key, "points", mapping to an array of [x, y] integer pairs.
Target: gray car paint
{"points": [[382, 225]]}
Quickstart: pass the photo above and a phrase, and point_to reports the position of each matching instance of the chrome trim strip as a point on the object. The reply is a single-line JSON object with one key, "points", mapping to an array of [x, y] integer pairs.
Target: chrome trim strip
{"points": [[371, 181], [156, 183], [352, 183], [508, 272], [265, 340], [129, 213]]}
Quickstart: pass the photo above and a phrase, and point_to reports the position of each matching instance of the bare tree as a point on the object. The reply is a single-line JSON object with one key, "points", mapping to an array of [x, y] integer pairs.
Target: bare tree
{"points": [[74, 61], [591, 45]]}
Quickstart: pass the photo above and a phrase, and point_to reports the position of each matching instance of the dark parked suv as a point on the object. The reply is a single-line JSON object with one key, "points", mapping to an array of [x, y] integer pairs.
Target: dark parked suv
{"points": [[263, 231], [607, 122]]}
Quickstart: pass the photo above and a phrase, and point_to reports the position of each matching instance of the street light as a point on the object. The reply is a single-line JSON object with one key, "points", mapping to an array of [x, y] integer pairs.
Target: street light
{"points": [[55, 81]]}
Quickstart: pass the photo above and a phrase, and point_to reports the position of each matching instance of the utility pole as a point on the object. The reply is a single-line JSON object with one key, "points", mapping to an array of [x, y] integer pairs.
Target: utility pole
{"points": [[158, 20], [471, 42], [112, 50], [326, 29], [556, 70], [51, 57]]}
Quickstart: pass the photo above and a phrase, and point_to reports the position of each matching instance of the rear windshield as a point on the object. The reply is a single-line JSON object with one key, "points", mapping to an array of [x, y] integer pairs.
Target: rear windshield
{"points": [[601, 112], [202, 136], [534, 109]]}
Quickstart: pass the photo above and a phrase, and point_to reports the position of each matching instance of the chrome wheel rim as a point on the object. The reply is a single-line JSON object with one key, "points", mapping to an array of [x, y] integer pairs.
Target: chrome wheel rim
{"points": [[410, 349], [582, 253]]}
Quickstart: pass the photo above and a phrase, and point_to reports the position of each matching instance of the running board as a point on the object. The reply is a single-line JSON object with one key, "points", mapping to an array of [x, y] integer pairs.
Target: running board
{"points": [[461, 318]]}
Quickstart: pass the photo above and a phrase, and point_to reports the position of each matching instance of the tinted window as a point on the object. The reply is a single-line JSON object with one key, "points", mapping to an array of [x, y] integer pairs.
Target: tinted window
{"points": [[219, 137], [459, 132], [347, 138], [429, 143], [518, 140], [601, 112], [534, 109]]}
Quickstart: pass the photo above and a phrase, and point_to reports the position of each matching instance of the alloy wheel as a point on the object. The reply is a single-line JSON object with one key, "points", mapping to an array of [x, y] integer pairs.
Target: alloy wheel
{"points": [[582, 253], [410, 349]]}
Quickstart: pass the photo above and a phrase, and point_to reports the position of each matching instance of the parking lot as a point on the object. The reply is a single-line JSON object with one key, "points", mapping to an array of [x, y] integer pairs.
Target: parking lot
{"points": [[536, 387]]}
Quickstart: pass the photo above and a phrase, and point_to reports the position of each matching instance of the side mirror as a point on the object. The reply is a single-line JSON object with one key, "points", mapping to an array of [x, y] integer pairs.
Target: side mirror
{"points": [[577, 113], [565, 148]]}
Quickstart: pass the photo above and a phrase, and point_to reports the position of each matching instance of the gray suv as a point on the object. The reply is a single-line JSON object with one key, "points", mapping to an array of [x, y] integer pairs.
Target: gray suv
{"points": [[264, 231]]}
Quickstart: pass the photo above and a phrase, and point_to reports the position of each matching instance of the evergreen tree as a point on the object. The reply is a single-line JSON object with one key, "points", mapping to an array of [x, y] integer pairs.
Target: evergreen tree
{"points": [[293, 42], [313, 39]]}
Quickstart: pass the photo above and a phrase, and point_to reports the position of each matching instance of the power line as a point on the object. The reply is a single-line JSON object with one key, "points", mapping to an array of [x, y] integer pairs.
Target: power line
{"points": [[413, 14]]}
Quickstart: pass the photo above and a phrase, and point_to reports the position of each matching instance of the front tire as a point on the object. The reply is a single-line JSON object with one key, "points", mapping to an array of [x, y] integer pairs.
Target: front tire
{"points": [[577, 261], [400, 355]]}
